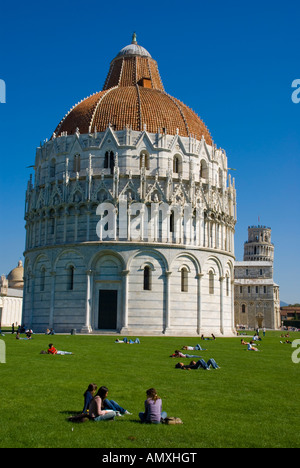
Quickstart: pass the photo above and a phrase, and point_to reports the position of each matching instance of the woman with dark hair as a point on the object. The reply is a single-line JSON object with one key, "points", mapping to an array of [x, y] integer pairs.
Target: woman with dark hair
{"points": [[153, 408], [111, 404], [88, 396], [96, 413]]}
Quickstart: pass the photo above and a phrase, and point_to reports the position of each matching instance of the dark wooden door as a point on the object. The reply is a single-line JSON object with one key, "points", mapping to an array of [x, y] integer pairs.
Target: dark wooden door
{"points": [[108, 308]]}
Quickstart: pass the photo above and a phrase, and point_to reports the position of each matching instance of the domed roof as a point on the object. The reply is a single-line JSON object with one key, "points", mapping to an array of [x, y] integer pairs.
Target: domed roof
{"points": [[133, 96], [134, 49], [15, 277]]}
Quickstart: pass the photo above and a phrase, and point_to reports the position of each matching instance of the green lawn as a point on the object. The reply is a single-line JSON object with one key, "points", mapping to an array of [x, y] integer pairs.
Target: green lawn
{"points": [[251, 401]]}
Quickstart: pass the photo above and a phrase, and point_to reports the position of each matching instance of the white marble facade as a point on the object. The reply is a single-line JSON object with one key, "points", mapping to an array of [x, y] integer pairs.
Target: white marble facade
{"points": [[70, 266]]}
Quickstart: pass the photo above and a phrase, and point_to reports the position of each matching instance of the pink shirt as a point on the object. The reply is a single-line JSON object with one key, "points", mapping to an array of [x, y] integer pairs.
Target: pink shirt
{"points": [[95, 407]]}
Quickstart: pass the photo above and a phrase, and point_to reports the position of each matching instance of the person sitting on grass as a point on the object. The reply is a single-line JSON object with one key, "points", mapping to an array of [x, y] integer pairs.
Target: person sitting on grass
{"points": [[18, 337], [256, 338], [153, 409], [96, 413], [201, 364], [53, 350], [29, 334], [111, 404], [88, 396]]}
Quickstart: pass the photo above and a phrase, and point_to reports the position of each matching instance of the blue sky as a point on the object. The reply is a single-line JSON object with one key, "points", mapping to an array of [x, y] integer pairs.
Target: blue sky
{"points": [[232, 62]]}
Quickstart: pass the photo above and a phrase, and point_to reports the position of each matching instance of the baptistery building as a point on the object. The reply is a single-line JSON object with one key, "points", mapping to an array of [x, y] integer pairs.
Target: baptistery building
{"points": [[130, 215]]}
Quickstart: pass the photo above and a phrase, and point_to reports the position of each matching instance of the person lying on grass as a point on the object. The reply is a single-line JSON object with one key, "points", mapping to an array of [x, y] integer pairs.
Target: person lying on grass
{"points": [[178, 353], [125, 340], [250, 347], [53, 350], [193, 348], [201, 364], [207, 339], [243, 342]]}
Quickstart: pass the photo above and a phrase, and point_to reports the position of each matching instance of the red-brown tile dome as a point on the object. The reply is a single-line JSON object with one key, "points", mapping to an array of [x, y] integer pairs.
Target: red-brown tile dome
{"points": [[133, 96]]}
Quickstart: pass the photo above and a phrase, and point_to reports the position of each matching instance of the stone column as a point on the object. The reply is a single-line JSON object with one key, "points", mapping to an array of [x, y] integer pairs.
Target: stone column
{"points": [[31, 299], [128, 224], [232, 306], [88, 216], [52, 299], [125, 280], [40, 230], [46, 229], [199, 302], [76, 215], [65, 225], [221, 279], [88, 302], [168, 303]]}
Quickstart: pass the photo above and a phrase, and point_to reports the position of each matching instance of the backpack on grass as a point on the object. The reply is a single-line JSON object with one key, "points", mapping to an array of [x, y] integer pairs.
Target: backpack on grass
{"points": [[79, 418], [173, 420]]}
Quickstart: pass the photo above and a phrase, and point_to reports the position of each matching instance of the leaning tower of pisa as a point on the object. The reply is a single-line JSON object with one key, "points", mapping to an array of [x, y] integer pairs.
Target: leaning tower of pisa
{"points": [[259, 247]]}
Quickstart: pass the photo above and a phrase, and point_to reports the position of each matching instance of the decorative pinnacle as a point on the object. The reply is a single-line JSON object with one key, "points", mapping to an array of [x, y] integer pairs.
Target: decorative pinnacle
{"points": [[134, 41]]}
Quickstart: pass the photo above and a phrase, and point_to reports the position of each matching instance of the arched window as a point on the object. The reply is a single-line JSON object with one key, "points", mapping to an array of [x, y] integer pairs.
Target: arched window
{"points": [[109, 161], [203, 169], [211, 282], [52, 167], [76, 166], [177, 165], [220, 178], [106, 159], [42, 279], [184, 280], [147, 278], [144, 156], [172, 222], [51, 222], [243, 308], [70, 278]]}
